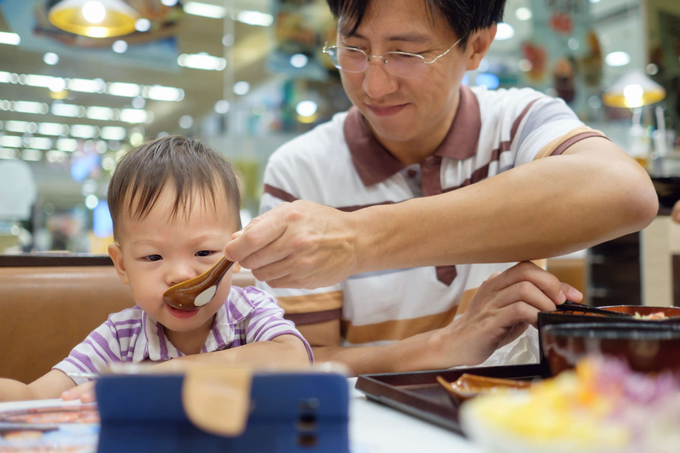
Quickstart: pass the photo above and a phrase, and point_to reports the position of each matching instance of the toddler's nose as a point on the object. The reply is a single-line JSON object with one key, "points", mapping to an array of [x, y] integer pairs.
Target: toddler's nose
{"points": [[180, 273]]}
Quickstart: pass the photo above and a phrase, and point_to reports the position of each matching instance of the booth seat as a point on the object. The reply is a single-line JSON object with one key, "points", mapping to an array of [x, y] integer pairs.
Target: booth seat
{"points": [[49, 304]]}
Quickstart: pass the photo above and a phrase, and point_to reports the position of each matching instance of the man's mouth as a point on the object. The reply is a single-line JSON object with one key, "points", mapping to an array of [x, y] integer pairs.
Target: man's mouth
{"points": [[385, 110]]}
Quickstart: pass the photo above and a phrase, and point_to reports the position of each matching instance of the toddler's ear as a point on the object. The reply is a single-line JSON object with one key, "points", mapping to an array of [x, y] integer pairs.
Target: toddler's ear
{"points": [[116, 255]]}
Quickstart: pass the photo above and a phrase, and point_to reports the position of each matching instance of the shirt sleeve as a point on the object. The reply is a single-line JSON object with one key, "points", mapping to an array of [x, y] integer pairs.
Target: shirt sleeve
{"points": [[549, 129], [100, 349], [266, 321]]}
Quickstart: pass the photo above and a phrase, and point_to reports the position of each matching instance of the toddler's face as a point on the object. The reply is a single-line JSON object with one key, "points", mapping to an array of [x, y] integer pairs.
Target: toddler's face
{"points": [[158, 252]]}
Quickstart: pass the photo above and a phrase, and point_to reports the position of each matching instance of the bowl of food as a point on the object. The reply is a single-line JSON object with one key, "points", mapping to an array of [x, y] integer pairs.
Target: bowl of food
{"points": [[645, 347]]}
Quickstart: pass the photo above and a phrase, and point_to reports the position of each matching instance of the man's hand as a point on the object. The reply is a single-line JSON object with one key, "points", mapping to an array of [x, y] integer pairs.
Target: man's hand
{"points": [[84, 392], [297, 245], [675, 215], [505, 305]]}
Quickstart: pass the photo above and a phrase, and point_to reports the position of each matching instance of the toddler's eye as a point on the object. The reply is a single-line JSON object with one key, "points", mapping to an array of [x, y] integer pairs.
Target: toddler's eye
{"points": [[154, 257], [204, 253]]}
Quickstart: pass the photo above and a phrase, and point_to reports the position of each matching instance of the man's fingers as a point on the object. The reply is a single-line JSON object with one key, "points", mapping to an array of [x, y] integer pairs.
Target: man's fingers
{"points": [[529, 272], [572, 293], [261, 232], [516, 331], [523, 292]]}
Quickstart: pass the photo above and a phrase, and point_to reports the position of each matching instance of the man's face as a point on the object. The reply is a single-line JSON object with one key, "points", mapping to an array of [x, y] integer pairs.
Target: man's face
{"points": [[158, 252], [399, 109]]}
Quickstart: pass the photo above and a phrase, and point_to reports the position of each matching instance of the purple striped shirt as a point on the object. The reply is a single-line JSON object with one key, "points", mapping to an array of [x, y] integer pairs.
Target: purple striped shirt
{"points": [[248, 316]]}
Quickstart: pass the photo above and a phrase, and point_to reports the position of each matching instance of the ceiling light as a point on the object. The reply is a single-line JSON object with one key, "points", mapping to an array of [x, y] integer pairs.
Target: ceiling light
{"points": [[129, 90], [228, 40], [36, 80], [299, 60], [55, 156], [11, 141], [169, 2], [8, 153], [161, 93], [120, 46], [38, 142], [132, 115], [67, 144], [222, 106], [504, 32], [99, 113], [5, 77], [617, 59], [186, 121], [241, 88], [136, 138], [205, 10], [91, 201], [9, 38], [86, 85], [32, 155], [51, 58], [17, 126], [143, 25], [29, 107], [97, 19], [113, 133], [306, 108], [69, 110], [52, 129], [523, 13], [58, 85], [84, 131], [255, 18], [202, 61]]}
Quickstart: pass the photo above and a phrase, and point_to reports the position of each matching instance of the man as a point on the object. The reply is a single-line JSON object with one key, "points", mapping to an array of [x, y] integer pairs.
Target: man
{"points": [[424, 171]]}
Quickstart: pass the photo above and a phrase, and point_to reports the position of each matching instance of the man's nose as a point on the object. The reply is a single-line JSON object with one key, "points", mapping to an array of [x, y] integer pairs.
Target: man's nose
{"points": [[377, 81]]}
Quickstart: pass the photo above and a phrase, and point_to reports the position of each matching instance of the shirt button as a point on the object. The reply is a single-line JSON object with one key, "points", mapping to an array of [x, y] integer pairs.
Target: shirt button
{"points": [[411, 173]]}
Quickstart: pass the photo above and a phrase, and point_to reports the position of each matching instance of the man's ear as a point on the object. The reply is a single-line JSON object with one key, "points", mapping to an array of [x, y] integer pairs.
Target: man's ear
{"points": [[478, 45], [116, 255]]}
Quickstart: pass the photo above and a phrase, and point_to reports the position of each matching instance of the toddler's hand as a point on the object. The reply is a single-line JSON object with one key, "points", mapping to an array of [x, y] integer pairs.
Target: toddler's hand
{"points": [[84, 392]]}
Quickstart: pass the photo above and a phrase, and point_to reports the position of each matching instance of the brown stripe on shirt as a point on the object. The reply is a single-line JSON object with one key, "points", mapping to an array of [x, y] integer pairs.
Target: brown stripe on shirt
{"points": [[278, 193], [311, 303], [395, 330]]}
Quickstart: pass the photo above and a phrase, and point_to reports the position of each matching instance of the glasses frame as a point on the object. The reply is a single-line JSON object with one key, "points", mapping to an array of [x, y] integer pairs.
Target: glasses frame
{"points": [[327, 49]]}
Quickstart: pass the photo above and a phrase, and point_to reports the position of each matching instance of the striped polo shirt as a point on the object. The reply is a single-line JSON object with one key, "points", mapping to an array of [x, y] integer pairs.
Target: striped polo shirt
{"points": [[248, 316], [341, 164]]}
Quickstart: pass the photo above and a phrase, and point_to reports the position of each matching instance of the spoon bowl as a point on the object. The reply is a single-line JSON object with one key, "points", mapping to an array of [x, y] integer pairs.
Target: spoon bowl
{"points": [[198, 291]]}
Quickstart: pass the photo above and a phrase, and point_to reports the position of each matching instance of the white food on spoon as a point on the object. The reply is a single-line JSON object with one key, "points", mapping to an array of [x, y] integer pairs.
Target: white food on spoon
{"points": [[206, 296]]}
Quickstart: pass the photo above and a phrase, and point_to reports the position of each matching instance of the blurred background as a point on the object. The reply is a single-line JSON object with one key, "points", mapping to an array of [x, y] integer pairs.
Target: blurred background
{"points": [[245, 76]]}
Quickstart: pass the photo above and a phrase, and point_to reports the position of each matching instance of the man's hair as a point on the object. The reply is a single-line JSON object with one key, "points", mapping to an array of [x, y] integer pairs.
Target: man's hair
{"points": [[463, 16], [188, 165]]}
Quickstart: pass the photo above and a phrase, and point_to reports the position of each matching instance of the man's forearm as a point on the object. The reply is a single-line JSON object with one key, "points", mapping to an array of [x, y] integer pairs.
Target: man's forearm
{"points": [[419, 352], [545, 208]]}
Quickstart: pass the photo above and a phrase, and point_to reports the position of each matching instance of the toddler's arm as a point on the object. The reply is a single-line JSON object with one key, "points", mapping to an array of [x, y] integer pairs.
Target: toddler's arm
{"points": [[49, 386]]}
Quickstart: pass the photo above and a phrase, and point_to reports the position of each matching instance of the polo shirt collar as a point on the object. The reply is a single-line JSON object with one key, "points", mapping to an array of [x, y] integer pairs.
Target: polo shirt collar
{"points": [[375, 164], [222, 334]]}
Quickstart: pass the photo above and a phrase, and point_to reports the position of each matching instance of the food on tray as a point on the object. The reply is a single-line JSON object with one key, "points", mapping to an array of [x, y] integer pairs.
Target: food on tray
{"points": [[470, 385], [600, 406], [652, 317]]}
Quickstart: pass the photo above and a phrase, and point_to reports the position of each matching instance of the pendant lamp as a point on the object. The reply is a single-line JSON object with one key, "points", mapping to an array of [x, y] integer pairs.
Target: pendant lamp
{"points": [[633, 90], [93, 18]]}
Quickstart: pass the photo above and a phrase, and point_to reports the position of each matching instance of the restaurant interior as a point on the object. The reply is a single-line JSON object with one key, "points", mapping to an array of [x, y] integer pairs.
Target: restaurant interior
{"points": [[247, 76]]}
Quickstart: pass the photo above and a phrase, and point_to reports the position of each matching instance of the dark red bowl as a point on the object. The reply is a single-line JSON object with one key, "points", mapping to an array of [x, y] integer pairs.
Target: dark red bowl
{"points": [[646, 347]]}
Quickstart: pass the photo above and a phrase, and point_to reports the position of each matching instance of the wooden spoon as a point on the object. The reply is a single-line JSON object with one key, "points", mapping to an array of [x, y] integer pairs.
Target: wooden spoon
{"points": [[198, 291]]}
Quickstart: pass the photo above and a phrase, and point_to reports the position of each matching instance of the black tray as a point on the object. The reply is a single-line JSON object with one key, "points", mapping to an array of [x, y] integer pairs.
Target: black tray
{"points": [[420, 395]]}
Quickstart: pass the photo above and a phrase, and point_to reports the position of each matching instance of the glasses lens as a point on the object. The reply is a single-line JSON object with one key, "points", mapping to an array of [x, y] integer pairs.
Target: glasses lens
{"points": [[349, 60], [404, 65]]}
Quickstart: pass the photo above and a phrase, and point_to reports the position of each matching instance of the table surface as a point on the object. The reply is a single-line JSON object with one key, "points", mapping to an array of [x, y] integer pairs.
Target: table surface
{"points": [[373, 428]]}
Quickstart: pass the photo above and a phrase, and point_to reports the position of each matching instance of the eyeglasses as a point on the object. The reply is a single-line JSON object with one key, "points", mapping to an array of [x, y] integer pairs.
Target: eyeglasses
{"points": [[400, 64]]}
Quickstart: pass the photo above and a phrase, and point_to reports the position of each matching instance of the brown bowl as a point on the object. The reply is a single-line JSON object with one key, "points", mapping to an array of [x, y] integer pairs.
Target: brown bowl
{"points": [[646, 347]]}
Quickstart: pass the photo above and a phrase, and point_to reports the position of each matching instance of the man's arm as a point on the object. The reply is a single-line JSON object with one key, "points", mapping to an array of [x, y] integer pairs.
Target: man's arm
{"points": [[504, 306], [592, 193], [51, 385]]}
